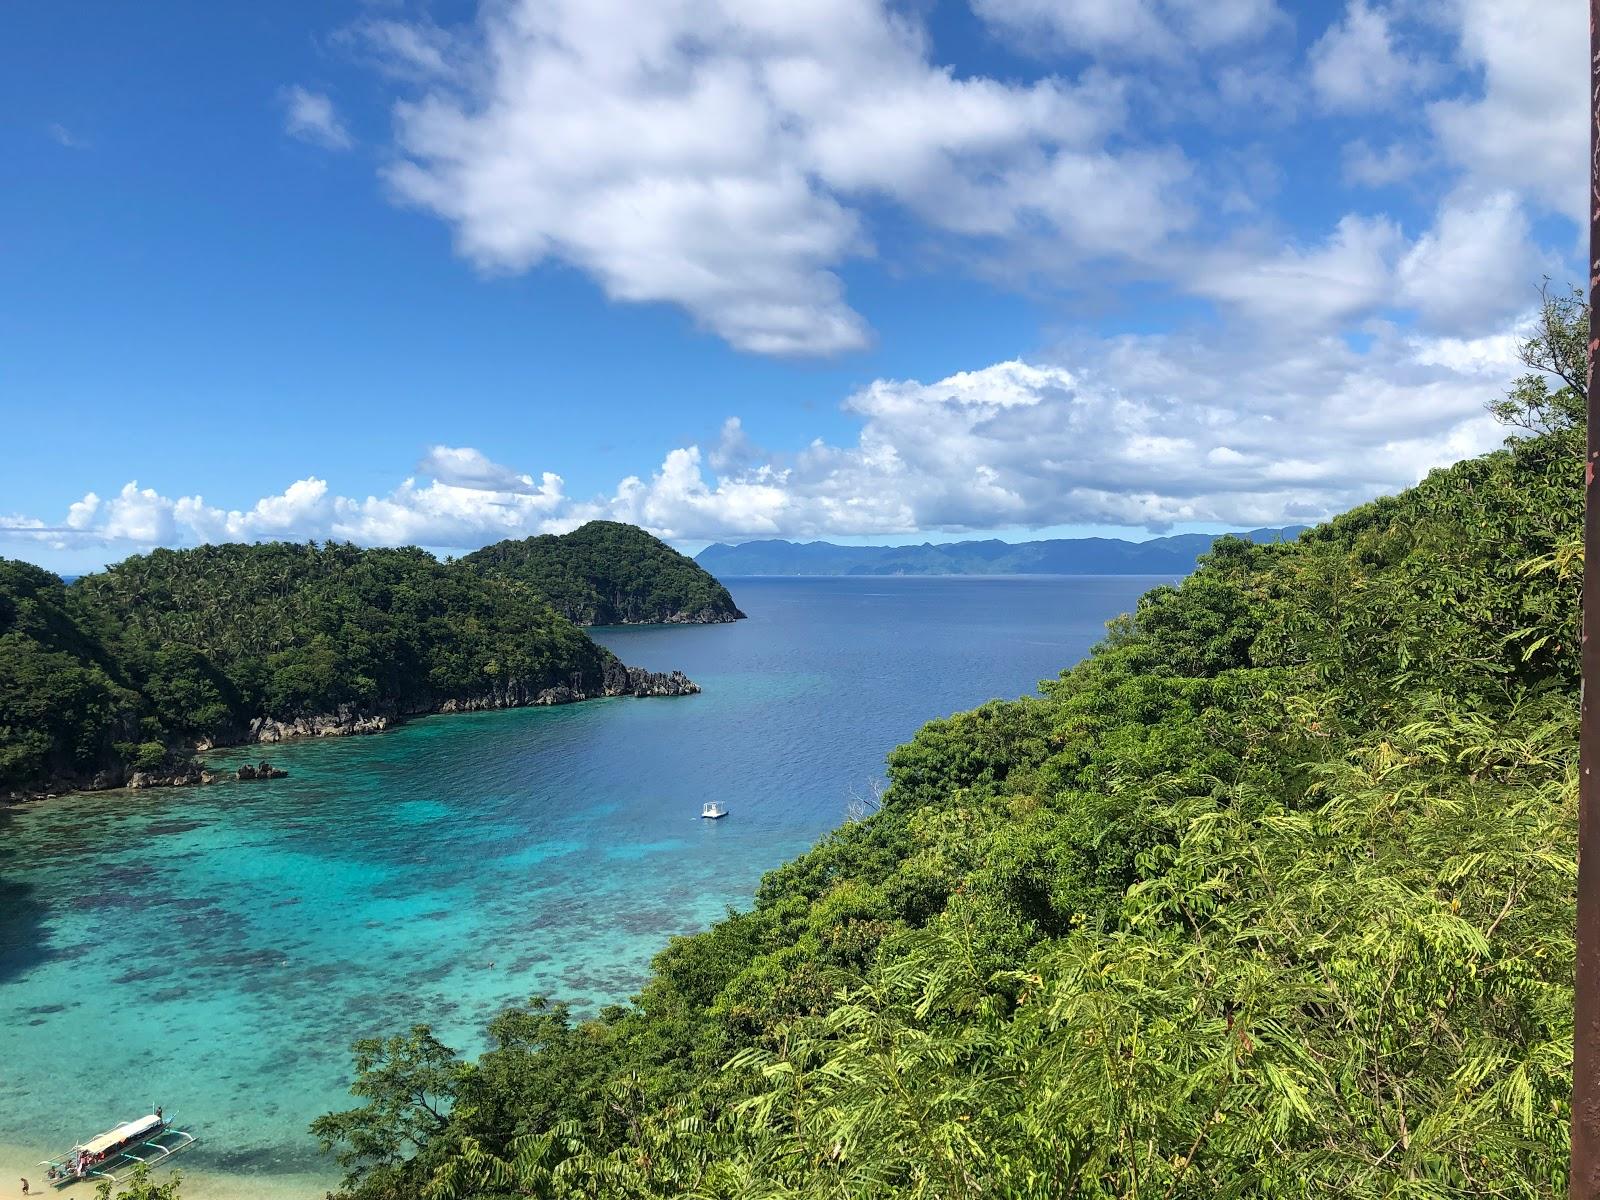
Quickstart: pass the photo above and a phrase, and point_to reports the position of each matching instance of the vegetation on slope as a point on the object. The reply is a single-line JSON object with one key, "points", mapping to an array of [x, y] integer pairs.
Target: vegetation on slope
{"points": [[176, 647], [607, 573], [1272, 895], [64, 700]]}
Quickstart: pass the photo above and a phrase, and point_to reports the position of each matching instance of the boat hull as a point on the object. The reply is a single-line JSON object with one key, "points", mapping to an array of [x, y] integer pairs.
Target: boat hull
{"points": [[149, 1147]]}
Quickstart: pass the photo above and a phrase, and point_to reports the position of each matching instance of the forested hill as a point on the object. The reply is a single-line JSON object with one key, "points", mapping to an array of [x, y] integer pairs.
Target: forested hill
{"points": [[1174, 555], [608, 573], [129, 668], [1273, 895]]}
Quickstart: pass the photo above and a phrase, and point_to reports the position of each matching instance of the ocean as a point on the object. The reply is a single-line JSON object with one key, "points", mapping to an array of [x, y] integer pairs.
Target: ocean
{"points": [[216, 950]]}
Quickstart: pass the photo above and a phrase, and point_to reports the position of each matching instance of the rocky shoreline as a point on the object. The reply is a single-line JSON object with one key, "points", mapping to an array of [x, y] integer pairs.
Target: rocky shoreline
{"points": [[350, 720], [700, 618], [706, 616]]}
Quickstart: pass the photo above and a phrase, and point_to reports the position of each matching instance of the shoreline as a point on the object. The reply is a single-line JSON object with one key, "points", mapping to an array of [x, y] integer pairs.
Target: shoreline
{"points": [[635, 683], [20, 1162]]}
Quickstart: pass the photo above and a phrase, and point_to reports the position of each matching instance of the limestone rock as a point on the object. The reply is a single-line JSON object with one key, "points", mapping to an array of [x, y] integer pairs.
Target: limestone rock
{"points": [[264, 770]]}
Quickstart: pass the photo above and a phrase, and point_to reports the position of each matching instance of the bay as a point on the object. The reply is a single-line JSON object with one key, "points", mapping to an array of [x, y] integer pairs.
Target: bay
{"points": [[216, 950]]}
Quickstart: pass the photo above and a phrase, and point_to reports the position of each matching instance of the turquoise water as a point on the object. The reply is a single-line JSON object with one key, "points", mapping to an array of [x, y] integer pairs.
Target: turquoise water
{"points": [[217, 949]]}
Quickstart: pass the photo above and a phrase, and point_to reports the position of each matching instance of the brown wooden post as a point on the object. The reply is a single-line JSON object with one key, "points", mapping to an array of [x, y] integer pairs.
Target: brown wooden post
{"points": [[1585, 1183]]}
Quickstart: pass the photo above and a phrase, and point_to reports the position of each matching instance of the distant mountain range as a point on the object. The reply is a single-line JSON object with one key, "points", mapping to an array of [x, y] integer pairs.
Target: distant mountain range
{"points": [[1174, 555]]}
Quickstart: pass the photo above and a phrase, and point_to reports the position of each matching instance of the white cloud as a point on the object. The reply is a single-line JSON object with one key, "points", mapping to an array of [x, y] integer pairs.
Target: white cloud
{"points": [[414, 52], [1139, 430], [716, 155], [138, 515], [1468, 273], [1369, 167], [63, 136], [1475, 267], [1529, 130], [1319, 287], [310, 116], [462, 466], [1132, 28], [1356, 65], [734, 449]]}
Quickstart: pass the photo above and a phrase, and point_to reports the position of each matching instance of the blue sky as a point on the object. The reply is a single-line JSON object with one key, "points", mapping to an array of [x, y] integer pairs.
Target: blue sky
{"points": [[448, 273]]}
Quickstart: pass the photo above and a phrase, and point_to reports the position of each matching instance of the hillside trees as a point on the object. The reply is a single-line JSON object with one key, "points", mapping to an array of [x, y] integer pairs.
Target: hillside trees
{"points": [[1271, 895], [608, 573]]}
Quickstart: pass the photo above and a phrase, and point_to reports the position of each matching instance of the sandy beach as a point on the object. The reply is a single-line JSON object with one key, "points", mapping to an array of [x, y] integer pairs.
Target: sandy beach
{"points": [[18, 1163]]}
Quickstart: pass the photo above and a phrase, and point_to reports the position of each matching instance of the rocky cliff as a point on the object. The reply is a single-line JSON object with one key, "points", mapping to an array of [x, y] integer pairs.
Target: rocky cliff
{"points": [[349, 719], [619, 680]]}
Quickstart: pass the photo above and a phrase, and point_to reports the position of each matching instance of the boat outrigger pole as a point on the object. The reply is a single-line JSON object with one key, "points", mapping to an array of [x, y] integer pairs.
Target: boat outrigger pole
{"points": [[145, 1142]]}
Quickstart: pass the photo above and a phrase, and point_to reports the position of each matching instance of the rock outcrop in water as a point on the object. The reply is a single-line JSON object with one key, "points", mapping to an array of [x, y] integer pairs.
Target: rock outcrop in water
{"points": [[348, 719], [181, 774], [617, 680], [262, 770]]}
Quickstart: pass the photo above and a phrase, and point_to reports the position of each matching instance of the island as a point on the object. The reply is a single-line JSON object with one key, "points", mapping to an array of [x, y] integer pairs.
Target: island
{"points": [[122, 676], [1174, 555], [608, 573]]}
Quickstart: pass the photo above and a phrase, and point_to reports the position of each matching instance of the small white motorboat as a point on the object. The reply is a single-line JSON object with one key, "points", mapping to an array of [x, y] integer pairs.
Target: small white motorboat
{"points": [[712, 811]]}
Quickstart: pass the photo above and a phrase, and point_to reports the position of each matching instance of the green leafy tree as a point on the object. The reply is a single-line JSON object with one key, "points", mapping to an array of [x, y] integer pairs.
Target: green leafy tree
{"points": [[1553, 397], [409, 1083], [140, 1186]]}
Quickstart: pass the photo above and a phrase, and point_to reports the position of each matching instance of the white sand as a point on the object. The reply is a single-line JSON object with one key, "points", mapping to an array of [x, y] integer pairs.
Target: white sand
{"points": [[18, 1163]]}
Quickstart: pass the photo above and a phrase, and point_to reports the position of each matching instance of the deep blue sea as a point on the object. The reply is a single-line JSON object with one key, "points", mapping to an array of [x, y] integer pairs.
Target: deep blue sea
{"points": [[217, 949]]}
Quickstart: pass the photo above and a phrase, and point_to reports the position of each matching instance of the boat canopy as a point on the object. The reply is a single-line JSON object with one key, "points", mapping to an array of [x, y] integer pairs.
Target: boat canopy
{"points": [[125, 1132]]}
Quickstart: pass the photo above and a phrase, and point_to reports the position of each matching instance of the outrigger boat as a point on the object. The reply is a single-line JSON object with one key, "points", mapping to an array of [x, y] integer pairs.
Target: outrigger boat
{"points": [[148, 1140]]}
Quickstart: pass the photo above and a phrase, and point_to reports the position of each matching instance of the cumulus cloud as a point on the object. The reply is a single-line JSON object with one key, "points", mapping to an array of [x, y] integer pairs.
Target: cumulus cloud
{"points": [[1475, 266], [1469, 272], [311, 117], [1529, 129], [1143, 430], [1320, 286], [1358, 64], [717, 155], [730, 159], [436, 514]]}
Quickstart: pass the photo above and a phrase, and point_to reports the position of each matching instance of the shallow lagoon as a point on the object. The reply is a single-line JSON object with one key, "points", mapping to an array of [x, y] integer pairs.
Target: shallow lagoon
{"points": [[217, 949]]}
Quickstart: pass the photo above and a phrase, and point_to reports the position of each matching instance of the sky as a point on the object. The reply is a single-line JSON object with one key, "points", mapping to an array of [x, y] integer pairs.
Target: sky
{"points": [[445, 273]]}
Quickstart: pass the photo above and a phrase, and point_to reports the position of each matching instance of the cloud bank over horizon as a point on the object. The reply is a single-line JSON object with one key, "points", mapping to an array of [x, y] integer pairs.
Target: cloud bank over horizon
{"points": [[1143, 431], [1279, 269]]}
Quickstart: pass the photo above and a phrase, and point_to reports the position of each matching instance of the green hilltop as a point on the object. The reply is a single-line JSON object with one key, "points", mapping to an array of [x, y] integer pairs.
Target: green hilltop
{"points": [[607, 573], [1273, 895], [129, 669]]}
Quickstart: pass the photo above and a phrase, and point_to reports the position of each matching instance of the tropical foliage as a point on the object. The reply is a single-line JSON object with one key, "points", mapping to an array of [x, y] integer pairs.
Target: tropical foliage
{"points": [[139, 1186], [607, 573], [64, 699], [162, 650], [1272, 895]]}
